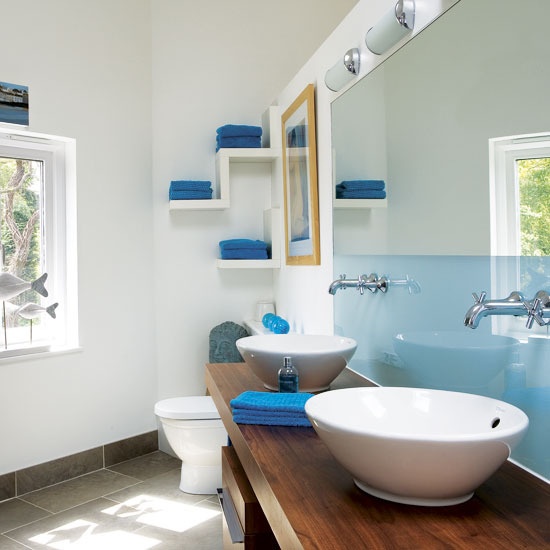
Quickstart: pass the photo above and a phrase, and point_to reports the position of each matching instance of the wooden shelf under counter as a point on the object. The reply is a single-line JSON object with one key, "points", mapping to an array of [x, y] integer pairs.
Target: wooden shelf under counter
{"points": [[311, 502]]}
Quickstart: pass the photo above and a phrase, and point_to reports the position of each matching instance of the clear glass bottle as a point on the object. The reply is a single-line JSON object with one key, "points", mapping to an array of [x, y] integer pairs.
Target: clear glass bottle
{"points": [[288, 377]]}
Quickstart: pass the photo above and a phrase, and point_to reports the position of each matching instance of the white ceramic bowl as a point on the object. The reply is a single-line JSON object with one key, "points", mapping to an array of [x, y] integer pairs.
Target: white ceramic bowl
{"points": [[454, 360], [318, 358], [417, 446]]}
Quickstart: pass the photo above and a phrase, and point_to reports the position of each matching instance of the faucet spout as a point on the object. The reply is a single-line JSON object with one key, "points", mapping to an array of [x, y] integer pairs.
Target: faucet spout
{"points": [[515, 304]]}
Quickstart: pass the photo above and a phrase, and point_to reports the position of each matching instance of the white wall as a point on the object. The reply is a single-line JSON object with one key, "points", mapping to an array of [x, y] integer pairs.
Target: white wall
{"points": [[142, 85], [87, 65], [215, 63]]}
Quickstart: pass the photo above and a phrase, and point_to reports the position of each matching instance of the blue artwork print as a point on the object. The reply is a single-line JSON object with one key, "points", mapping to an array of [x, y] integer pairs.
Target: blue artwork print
{"points": [[14, 104]]}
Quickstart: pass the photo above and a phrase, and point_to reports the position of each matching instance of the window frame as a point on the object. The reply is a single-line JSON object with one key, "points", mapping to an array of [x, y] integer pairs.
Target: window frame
{"points": [[505, 222], [58, 155]]}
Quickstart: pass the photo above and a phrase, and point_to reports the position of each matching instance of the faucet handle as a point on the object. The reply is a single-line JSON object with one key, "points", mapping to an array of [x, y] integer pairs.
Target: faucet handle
{"points": [[534, 314], [481, 298]]}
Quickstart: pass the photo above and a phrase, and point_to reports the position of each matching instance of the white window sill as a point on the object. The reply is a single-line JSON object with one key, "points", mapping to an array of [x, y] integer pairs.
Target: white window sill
{"points": [[15, 356]]}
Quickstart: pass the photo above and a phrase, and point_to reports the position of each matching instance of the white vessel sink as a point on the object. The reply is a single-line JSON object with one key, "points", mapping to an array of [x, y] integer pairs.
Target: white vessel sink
{"points": [[416, 446], [318, 358], [456, 360]]}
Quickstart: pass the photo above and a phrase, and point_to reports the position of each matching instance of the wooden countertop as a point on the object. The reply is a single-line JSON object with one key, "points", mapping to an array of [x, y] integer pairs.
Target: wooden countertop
{"points": [[311, 502]]}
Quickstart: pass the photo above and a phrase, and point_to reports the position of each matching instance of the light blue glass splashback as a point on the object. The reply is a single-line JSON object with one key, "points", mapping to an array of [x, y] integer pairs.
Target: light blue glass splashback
{"points": [[447, 283]]}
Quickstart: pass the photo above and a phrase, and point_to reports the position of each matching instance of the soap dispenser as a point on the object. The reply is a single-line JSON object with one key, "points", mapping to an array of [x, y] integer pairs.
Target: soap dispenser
{"points": [[288, 377]]}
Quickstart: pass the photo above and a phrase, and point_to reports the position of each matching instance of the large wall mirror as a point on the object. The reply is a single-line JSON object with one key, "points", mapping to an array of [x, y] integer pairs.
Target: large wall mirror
{"points": [[422, 122]]}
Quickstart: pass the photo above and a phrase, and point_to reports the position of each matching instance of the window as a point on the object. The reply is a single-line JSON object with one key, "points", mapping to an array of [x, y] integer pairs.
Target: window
{"points": [[37, 244], [520, 232]]}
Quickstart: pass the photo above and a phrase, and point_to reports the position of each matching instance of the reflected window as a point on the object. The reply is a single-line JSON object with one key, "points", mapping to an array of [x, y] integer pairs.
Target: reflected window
{"points": [[520, 232]]}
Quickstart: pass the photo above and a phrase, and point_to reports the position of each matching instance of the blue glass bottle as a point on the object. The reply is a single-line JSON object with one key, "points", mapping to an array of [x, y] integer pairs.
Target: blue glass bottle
{"points": [[288, 377]]}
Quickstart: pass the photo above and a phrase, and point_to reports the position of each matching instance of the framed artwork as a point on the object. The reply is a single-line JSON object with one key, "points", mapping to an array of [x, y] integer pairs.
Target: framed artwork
{"points": [[14, 103], [300, 181]]}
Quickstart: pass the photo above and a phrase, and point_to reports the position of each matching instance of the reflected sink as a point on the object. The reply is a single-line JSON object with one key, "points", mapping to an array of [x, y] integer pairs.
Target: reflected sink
{"points": [[454, 360], [318, 358], [416, 446]]}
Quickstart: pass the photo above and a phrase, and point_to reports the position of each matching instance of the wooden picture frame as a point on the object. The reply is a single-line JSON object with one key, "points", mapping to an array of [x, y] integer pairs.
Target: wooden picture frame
{"points": [[300, 187]]}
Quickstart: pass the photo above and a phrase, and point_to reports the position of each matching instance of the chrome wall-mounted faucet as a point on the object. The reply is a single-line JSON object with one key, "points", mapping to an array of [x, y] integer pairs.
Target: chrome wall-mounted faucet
{"points": [[372, 282], [515, 304]]}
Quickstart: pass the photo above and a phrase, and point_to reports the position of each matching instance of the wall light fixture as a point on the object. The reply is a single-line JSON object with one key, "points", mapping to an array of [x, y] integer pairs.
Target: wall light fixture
{"points": [[392, 27], [344, 71]]}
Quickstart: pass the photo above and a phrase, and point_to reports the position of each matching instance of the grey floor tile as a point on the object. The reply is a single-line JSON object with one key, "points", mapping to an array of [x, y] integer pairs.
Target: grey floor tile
{"points": [[99, 524], [15, 512], [148, 466], [78, 491], [8, 544], [163, 486]]}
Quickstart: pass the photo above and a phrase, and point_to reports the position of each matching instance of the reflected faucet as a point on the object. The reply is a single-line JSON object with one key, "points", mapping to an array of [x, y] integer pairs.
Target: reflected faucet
{"points": [[515, 304], [374, 283], [370, 282]]}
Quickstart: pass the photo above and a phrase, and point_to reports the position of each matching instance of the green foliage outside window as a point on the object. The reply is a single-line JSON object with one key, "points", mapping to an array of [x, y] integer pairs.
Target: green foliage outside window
{"points": [[534, 194], [20, 223]]}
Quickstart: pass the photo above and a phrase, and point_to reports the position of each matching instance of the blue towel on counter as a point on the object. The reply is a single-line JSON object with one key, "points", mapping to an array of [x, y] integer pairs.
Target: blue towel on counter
{"points": [[273, 402], [270, 409], [232, 130], [361, 184], [242, 243], [273, 419], [190, 185], [244, 254], [246, 142], [190, 195], [361, 194]]}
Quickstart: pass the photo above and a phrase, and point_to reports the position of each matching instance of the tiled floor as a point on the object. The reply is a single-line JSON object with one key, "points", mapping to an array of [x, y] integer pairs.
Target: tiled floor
{"points": [[135, 505]]}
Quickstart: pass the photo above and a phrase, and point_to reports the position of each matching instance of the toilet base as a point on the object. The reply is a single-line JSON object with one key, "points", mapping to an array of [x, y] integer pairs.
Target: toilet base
{"points": [[200, 480]]}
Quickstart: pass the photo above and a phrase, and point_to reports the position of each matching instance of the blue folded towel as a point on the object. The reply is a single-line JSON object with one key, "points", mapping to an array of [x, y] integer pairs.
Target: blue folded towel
{"points": [[247, 142], [231, 130], [361, 194], [244, 254], [242, 243], [361, 184], [190, 185], [274, 402], [190, 195], [271, 420]]}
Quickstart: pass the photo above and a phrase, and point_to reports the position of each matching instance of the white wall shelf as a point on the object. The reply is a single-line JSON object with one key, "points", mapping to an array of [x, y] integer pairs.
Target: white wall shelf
{"points": [[360, 203], [208, 204]]}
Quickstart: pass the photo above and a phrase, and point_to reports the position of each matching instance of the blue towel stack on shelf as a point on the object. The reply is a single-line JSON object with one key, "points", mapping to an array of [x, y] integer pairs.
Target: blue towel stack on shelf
{"points": [[238, 135], [361, 189], [190, 190], [243, 249], [271, 409]]}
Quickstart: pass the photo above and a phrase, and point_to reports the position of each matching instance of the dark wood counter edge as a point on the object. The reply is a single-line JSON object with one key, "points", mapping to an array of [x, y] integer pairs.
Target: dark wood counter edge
{"points": [[280, 525], [519, 501]]}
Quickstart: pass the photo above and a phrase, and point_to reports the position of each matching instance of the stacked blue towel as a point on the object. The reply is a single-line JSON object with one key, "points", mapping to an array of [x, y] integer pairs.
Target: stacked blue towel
{"points": [[238, 135], [190, 189], [243, 249], [361, 189], [271, 409]]}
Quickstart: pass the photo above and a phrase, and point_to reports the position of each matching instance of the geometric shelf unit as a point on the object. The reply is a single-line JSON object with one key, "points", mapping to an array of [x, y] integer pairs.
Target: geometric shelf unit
{"points": [[271, 135], [271, 123]]}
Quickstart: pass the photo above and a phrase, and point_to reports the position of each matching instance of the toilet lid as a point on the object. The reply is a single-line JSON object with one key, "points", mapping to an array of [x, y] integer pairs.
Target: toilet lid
{"points": [[187, 408]]}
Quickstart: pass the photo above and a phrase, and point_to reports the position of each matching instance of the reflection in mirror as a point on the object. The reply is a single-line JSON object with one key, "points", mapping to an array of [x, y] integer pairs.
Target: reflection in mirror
{"points": [[447, 122], [422, 122]]}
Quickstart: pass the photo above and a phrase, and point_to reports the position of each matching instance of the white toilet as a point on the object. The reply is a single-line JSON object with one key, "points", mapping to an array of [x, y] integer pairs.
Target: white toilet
{"points": [[196, 434]]}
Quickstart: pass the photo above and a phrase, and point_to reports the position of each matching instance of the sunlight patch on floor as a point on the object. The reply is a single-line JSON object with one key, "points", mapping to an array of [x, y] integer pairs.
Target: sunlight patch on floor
{"points": [[163, 513], [80, 535]]}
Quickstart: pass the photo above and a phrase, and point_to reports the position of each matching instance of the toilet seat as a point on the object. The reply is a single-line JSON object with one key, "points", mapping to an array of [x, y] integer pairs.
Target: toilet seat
{"points": [[197, 407]]}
